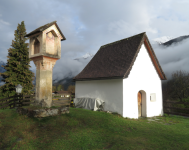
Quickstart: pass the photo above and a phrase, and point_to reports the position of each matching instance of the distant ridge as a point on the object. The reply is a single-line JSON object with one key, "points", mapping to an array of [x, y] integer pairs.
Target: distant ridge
{"points": [[162, 39], [175, 41]]}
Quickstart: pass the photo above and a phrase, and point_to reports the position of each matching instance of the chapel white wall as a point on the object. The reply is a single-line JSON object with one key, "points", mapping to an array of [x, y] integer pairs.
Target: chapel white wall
{"points": [[110, 91], [143, 76]]}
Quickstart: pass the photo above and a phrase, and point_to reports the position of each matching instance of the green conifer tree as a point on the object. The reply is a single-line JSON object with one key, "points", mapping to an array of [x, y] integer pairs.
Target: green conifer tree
{"points": [[17, 67]]}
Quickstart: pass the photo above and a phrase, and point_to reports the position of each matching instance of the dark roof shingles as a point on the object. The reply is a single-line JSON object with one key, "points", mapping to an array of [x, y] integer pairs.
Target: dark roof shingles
{"points": [[112, 60], [42, 28]]}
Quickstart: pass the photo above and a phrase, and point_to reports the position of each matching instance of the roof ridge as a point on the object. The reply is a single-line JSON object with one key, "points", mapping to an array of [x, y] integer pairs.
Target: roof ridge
{"points": [[46, 25], [122, 39]]}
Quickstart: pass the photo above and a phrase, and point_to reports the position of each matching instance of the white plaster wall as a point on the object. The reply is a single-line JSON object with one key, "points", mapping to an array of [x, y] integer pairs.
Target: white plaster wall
{"points": [[110, 91], [143, 76]]}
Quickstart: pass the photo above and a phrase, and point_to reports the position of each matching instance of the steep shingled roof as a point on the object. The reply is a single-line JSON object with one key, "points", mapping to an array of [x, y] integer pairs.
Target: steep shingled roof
{"points": [[42, 28], [115, 60]]}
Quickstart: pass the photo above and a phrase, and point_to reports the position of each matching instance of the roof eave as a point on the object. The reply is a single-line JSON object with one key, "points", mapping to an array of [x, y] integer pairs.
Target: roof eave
{"points": [[42, 28], [60, 32], [155, 60], [100, 78], [134, 58]]}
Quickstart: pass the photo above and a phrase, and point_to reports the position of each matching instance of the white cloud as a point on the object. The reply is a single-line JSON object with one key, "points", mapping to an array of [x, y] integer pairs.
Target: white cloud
{"points": [[87, 25], [4, 22]]}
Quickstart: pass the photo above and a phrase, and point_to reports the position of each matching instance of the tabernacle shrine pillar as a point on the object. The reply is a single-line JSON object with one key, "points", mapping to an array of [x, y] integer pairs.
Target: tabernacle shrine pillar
{"points": [[45, 50]]}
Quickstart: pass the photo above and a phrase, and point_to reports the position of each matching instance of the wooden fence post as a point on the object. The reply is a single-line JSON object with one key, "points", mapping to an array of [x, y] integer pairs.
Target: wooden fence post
{"points": [[9, 101], [17, 99]]}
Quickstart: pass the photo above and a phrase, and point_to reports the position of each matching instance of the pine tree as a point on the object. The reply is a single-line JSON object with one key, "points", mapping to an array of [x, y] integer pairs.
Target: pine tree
{"points": [[17, 67]]}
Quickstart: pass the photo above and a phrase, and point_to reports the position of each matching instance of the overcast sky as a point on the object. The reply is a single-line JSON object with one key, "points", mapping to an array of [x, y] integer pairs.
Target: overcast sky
{"points": [[88, 24]]}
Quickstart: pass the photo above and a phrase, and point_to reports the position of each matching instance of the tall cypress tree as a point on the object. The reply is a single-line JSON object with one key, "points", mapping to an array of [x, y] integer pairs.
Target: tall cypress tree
{"points": [[18, 66]]}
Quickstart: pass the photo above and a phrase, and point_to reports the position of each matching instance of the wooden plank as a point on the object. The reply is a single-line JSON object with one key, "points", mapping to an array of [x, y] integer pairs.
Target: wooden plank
{"points": [[14, 100], [59, 102], [4, 106], [28, 95], [7, 98], [32, 96], [62, 103], [63, 98], [5, 102], [16, 104], [9, 105], [65, 92], [66, 104], [27, 102], [61, 94], [177, 108], [60, 97], [23, 101], [3, 99], [176, 102], [15, 96], [175, 113], [29, 99], [68, 101]]}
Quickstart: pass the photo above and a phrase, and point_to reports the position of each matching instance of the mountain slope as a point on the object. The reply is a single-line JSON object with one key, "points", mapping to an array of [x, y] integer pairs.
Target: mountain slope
{"points": [[175, 40], [84, 57], [66, 82], [163, 39]]}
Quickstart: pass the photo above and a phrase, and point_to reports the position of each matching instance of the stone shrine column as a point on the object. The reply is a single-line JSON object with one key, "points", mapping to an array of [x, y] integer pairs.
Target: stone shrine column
{"points": [[44, 69], [44, 51]]}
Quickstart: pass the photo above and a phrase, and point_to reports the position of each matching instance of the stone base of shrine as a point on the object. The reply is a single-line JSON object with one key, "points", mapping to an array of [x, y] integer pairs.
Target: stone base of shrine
{"points": [[42, 103], [44, 112]]}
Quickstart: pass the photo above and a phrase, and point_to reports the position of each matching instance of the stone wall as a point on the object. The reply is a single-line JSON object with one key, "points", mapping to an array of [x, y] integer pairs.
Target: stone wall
{"points": [[40, 113]]}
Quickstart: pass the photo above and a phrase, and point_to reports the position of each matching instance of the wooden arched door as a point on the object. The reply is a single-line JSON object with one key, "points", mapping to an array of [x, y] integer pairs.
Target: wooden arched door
{"points": [[139, 104]]}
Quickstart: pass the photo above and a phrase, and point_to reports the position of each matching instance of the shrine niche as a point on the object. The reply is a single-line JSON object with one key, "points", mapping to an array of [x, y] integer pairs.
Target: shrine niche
{"points": [[45, 50], [36, 46], [51, 43]]}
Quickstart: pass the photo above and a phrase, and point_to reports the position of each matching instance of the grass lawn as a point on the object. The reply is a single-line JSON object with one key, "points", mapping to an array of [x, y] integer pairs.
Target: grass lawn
{"points": [[89, 130]]}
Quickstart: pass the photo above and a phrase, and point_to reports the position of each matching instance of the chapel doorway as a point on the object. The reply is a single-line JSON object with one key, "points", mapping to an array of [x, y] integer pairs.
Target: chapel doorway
{"points": [[139, 104]]}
